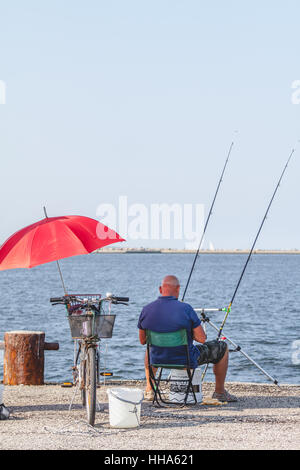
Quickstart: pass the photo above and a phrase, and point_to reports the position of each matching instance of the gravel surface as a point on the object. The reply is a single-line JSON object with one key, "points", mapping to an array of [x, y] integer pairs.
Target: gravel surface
{"points": [[265, 417]]}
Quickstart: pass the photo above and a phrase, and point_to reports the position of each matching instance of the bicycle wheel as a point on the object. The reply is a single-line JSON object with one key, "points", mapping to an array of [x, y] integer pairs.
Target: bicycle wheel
{"points": [[90, 385], [97, 367], [82, 382]]}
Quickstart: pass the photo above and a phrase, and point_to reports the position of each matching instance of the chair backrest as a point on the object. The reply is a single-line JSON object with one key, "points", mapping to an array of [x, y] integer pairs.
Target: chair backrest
{"points": [[167, 340]]}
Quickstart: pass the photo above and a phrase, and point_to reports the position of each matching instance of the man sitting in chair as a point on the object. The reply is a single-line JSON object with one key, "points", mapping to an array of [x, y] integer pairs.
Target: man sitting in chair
{"points": [[168, 314]]}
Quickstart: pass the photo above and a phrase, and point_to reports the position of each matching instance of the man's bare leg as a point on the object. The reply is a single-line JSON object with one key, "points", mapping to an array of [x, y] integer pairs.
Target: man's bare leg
{"points": [[220, 370], [147, 374]]}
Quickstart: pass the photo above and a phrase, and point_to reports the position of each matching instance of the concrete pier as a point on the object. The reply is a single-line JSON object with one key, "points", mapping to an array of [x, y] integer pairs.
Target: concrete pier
{"points": [[265, 417]]}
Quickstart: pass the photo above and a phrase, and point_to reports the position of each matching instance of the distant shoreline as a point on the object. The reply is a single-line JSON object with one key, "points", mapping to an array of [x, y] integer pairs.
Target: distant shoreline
{"points": [[210, 252]]}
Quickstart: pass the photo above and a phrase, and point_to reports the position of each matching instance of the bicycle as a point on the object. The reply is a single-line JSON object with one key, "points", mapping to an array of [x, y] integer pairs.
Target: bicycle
{"points": [[88, 323]]}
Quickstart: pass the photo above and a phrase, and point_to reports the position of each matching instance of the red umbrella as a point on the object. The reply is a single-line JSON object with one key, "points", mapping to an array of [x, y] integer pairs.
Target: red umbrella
{"points": [[55, 238]]}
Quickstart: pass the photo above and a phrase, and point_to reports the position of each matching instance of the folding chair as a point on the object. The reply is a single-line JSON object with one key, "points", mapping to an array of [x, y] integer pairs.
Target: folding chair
{"points": [[169, 340]]}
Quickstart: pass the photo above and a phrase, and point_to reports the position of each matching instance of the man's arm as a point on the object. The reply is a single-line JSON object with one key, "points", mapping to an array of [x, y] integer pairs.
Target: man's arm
{"points": [[142, 336], [199, 334]]}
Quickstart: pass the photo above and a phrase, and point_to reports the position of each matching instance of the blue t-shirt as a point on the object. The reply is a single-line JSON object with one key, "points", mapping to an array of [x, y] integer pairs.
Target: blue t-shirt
{"points": [[165, 315]]}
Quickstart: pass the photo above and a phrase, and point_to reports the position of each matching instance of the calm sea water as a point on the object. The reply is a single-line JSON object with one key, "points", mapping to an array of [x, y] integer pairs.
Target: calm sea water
{"points": [[264, 319]]}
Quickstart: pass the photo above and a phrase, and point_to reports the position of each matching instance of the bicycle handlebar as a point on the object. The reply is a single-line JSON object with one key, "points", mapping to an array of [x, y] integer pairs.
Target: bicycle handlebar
{"points": [[67, 298]]}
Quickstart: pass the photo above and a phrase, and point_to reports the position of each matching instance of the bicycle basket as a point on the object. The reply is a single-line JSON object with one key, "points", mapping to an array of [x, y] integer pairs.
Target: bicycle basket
{"points": [[84, 326]]}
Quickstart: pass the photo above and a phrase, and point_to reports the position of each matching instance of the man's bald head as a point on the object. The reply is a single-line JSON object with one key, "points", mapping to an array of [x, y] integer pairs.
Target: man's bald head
{"points": [[170, 286]]}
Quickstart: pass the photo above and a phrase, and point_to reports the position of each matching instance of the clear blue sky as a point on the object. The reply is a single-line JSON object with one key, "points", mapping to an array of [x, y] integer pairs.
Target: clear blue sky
{"points": [[142, 98]]}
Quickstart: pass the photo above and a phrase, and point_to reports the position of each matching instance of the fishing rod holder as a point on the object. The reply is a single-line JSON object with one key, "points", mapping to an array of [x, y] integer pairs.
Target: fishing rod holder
{"points": [[237, 348], [206, 319], [203, 310]]}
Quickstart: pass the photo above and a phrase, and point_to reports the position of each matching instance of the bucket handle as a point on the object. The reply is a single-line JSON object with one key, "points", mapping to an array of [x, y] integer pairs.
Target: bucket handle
{"points": [[127, 401], [131, 403]]}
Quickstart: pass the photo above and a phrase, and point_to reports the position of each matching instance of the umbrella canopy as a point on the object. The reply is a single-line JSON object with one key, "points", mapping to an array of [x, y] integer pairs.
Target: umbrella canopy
{"points": [[55, 238]]}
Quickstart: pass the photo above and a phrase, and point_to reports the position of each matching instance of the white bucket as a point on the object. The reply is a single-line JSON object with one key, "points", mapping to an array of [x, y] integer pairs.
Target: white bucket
{"points": [[125, 407], [178, 386]]}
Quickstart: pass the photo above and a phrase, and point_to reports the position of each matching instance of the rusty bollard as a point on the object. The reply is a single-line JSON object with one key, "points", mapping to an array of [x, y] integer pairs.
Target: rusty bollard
{"points": [[24, 357]]}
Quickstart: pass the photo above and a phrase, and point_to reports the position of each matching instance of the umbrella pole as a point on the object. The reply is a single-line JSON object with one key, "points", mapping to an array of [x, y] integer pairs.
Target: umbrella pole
{"points": [[61, 278], [58, 265]]}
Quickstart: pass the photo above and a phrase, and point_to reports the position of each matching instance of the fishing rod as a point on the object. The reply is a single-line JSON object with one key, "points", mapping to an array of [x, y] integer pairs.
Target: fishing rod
{"points": [[252, 248], [207, 220]]}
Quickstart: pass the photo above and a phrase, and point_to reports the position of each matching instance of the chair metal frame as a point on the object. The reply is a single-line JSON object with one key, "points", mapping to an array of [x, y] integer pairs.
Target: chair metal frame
{"points": [[167, 340]]}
